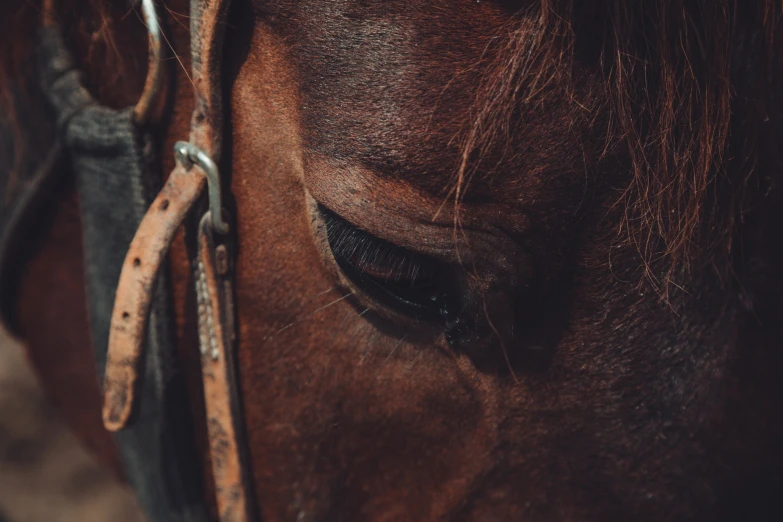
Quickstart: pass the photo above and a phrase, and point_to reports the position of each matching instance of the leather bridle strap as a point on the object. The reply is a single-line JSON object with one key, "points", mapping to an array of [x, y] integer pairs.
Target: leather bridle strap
{"points": [[196, 167]]}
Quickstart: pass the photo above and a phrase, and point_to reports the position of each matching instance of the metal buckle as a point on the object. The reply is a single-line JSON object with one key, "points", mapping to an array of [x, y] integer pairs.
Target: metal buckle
{"points": [[188, 155], [143, 108]]}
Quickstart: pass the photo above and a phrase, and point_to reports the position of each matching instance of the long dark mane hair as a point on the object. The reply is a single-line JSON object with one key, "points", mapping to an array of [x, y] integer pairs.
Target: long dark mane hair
{"points": [[693, 90]]}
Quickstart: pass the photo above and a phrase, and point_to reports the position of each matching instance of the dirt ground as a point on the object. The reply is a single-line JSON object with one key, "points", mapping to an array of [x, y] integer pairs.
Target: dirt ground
{"points": [[45, 475]]}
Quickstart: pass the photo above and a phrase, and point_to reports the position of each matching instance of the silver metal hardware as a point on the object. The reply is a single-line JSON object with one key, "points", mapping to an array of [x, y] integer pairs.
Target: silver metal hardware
{"points": [[188, 155]]}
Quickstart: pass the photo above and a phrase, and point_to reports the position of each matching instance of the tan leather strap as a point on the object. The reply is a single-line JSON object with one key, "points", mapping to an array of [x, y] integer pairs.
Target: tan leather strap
{"points": [[152, 241], [214, 293], [196, 161], [207, 26], [145, 256]]}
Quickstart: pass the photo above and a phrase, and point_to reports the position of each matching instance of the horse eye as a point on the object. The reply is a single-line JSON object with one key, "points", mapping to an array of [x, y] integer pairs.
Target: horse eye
{"points": [[409, 283]]}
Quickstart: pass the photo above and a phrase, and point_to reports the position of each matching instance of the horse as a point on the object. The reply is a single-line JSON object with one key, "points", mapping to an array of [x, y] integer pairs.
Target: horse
{"points": [[496, 259]]}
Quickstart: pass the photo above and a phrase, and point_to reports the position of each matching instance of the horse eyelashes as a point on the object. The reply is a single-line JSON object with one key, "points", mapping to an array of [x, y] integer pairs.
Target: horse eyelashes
{"points": [[372, 255], [407, 282]]}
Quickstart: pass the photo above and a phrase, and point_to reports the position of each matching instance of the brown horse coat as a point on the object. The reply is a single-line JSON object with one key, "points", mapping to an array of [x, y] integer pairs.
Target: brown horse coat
{"points": [[598, 185]]}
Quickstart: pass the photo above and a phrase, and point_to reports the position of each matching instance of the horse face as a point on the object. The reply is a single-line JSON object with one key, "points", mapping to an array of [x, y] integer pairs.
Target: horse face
{"points": [[433, 322]]}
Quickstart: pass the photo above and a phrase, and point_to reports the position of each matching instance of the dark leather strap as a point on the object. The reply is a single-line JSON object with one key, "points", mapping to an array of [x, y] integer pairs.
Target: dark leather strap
{"points": [[113, 160]]}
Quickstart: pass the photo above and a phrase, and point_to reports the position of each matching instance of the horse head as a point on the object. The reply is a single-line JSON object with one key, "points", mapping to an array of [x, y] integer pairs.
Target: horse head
{"points": [[496, 260]]}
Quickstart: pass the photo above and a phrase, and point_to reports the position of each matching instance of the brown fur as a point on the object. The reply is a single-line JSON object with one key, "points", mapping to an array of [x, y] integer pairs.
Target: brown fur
{"points": [[54, 279], [629, 408]]}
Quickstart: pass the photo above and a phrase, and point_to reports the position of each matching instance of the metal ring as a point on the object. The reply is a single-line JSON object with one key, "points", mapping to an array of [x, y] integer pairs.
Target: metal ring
{"points": [[188, 155], [155, 66]]}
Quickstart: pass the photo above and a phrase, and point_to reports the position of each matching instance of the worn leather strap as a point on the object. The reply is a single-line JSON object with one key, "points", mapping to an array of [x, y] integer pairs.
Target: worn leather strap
{"points": [[215, 296], [147, 253], [207, 27], [150, 246], [111, 156]]}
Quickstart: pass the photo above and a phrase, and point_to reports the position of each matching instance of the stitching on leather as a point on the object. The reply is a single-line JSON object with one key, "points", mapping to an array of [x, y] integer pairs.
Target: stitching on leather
{"points": [[207, 337]]}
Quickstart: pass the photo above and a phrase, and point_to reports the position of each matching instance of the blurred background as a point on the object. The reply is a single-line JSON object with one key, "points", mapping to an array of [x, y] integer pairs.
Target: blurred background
{"points": [[45, 474]]}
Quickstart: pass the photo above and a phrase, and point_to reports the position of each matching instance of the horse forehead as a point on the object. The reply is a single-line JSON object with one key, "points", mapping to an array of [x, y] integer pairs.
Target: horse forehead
{"points": [[374, 69], [444, 13], [393, 87]]}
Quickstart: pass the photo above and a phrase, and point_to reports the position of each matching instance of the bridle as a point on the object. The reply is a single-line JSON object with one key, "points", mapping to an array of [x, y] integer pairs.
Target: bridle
{"points": [[138, 302], [196, 166], [135, 341]]}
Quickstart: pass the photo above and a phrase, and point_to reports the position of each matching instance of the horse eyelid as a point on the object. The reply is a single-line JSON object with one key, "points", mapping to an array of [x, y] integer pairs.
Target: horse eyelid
{"points": [[371, 254], [417, 290]]}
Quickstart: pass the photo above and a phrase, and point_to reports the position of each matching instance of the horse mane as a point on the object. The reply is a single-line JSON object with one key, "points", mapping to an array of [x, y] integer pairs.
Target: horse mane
{"points": [[693, 91], [692, 87], [696, 94]]}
